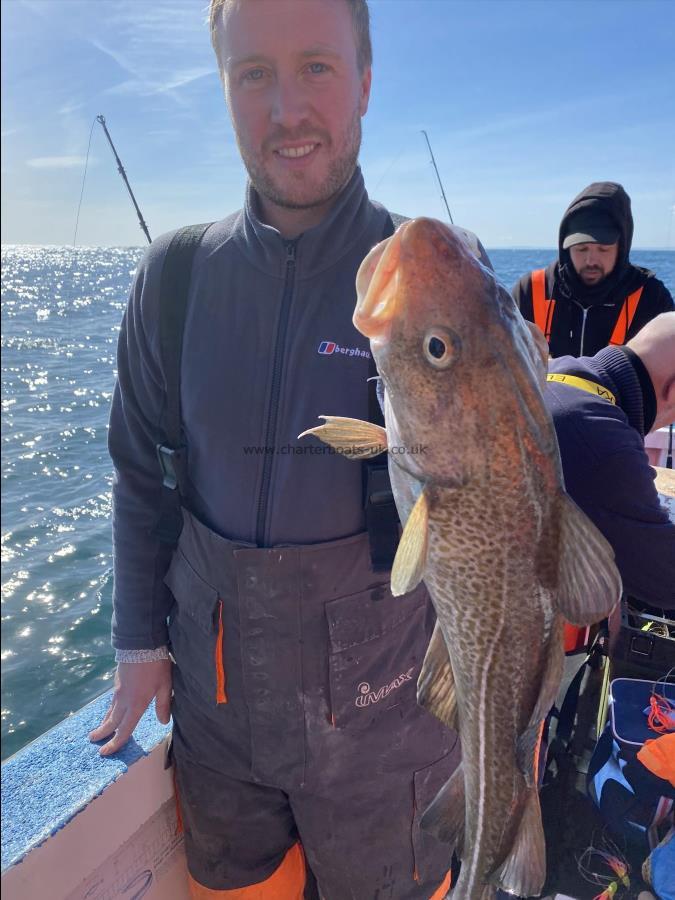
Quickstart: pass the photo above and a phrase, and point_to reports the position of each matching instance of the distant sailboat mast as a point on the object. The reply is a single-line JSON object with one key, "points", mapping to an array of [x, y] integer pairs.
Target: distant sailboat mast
{"points": [[431, 152]]}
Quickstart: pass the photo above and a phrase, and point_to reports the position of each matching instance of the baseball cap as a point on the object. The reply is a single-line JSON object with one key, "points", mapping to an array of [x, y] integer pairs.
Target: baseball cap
{"points": [[590, 226]]}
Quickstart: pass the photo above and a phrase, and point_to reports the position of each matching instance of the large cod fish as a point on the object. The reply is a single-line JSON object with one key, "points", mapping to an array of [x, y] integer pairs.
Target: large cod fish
{"points": [[505, 554]]}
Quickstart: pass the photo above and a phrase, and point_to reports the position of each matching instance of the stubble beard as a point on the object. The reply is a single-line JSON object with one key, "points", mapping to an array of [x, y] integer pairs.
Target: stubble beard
{"points": [[596, 277], [297, 193]]}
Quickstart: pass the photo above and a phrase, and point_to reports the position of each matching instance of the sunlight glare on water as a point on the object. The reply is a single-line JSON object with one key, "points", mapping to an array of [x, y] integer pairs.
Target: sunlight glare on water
{"points": [[61, 310]]}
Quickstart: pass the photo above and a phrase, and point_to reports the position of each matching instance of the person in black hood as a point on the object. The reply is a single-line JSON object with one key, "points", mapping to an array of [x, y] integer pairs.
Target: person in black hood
{"points": [[592, 296]]}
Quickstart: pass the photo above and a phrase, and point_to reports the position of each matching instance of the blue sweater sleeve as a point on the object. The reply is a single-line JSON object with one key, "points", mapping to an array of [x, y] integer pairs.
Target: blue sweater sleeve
{"points": [[619, 496], [141, 600]]}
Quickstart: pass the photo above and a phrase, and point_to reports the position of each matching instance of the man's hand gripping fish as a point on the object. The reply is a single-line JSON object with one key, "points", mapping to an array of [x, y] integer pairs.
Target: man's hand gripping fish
{"points": [[505, 554]]}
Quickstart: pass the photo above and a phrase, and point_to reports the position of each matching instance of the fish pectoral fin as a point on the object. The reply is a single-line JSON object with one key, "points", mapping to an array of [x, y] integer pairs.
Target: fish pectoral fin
{"points": [[411, 556], [444, 818], [589, 584], [436, 683], [523, 872], [352, 437]]}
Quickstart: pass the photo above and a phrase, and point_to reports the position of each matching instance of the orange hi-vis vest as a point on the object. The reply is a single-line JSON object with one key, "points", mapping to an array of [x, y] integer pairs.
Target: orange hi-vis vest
{"points": [[543, 306]]}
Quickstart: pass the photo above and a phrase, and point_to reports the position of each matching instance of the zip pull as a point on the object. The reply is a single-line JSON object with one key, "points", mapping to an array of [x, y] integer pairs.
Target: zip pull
{"points": [[290, 252], [221, 693]]}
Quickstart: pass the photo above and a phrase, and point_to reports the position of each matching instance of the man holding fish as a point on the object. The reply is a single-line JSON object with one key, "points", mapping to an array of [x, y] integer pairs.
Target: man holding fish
{"points": [[297, 731], [297, 734]]}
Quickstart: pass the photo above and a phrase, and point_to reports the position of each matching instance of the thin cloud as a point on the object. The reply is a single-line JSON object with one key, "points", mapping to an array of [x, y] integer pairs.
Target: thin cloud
{"points": [[180, 79], [58, 162], [151, 37], [69, 108], [115, 55], [144, 88]]}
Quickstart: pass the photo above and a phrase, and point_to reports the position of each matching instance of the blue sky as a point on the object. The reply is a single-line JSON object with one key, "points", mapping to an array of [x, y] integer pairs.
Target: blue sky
{"points": [[525, 103]]}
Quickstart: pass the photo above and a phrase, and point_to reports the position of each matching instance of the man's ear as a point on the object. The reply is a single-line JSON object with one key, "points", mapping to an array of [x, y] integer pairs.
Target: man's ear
{"points": [[366, 80]]}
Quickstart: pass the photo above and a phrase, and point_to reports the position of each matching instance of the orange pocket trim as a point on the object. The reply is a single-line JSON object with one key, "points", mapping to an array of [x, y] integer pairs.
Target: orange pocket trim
{"points": [[221, 696], [443, 889], [179, 815], [286, 883]]}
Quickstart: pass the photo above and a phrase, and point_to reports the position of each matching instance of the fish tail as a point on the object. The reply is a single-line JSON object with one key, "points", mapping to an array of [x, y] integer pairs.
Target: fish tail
{"points": [[523, 872]]}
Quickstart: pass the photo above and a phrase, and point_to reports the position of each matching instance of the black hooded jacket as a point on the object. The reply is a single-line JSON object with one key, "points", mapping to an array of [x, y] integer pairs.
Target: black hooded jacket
{"points": [[584, 317]]}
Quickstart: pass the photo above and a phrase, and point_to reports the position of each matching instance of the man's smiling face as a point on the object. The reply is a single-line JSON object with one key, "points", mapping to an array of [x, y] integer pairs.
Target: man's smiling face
{"points": [[296, 96]]}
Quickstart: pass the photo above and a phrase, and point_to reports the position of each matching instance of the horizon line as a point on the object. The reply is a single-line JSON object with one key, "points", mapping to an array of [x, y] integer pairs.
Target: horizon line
{"points": [[8, 244]]}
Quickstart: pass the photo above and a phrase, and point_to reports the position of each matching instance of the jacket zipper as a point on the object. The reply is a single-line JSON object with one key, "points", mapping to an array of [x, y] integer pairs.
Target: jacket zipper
{"points": [[583, 330], [268, 457]]}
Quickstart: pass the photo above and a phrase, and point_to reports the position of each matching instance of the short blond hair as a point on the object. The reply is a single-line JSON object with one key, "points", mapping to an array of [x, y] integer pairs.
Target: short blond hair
{"points": [[360, 22]]}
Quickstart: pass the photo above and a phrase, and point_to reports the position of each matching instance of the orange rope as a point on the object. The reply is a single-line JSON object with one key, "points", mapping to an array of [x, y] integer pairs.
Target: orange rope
{"points": [[661, 716]]}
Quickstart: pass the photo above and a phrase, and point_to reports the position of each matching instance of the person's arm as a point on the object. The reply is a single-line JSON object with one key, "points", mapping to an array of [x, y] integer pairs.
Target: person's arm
{"points": [[620, 498], [141, 600]]}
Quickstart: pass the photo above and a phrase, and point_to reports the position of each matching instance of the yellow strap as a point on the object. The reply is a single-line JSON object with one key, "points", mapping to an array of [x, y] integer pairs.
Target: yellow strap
{"points": [[583, 384]]}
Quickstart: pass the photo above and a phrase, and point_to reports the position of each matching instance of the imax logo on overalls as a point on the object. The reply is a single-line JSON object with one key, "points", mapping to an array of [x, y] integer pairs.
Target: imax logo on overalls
{"points": [[367, 696], [329, 348]]}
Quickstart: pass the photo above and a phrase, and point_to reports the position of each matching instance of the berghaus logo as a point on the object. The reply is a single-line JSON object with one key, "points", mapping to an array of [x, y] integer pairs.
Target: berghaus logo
{"points": [[331, 348]]}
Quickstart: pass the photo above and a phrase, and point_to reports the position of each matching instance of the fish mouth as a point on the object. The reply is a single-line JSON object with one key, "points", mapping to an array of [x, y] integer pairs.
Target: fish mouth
{"points": [[376, 288]]}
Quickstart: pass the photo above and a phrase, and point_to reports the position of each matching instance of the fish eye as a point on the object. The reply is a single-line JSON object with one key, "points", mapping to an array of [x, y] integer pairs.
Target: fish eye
{"points": [[437, 347], [441, 348]]}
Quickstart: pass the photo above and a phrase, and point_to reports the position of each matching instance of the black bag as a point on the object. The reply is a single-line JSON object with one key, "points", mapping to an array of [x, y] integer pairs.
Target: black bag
{"points": [[645, 644]]}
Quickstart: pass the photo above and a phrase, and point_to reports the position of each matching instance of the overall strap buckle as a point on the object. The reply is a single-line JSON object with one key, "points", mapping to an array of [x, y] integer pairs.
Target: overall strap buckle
{"points": [[170, 458], [382, 520]]}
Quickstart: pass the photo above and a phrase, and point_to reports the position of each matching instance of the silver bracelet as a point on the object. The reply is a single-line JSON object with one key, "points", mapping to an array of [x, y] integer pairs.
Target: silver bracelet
{"points": [[141, 656]]}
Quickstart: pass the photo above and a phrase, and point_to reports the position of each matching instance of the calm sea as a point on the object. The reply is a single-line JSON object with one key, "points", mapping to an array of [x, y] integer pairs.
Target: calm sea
{"points": [[61, 310]]}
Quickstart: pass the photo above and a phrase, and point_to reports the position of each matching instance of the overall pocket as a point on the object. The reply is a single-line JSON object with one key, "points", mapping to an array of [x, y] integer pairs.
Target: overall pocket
{"points": [[196, 629], [377, 644]]}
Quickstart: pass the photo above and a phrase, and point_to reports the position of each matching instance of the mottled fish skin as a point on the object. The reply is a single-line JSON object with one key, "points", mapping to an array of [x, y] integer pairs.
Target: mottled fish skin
{"points": [[492, 480]]}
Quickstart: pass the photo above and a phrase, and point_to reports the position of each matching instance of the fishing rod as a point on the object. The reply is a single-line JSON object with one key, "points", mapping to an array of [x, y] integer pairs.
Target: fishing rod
{"points": [[445, 200], [120, 169]]}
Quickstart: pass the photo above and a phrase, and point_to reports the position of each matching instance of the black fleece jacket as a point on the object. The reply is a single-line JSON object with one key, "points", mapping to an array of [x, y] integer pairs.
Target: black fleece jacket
{"points": [[584, 317]]}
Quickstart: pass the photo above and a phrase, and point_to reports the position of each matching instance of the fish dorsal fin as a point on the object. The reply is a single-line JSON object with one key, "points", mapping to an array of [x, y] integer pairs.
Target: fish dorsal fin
{"points": [[523, 872], [411, 556], [436, 684], [527, 750], [352, 437], [444, 818], [589, 584]]}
